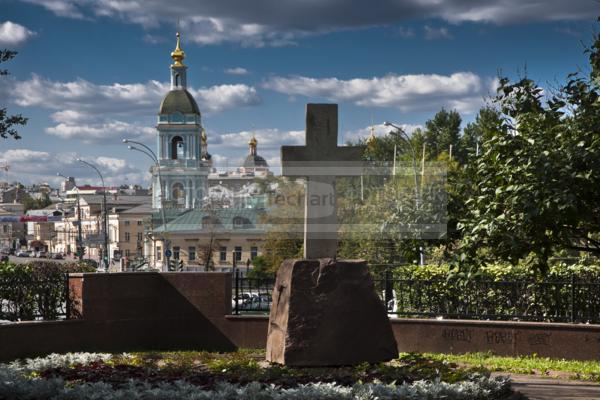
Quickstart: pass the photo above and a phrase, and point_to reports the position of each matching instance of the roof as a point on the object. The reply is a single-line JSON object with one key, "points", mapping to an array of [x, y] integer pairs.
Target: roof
{"points": [[145, 208], [192, 220], [120, 200], [179, 101], [253, 161]]}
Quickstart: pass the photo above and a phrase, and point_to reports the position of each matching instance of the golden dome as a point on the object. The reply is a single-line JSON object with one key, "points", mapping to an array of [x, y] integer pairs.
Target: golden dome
{"points": [[371, 138], [253, 142], [178, 55]]}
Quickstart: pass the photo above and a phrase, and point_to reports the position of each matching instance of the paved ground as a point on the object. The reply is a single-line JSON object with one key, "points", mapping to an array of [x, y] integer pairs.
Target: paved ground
{"points": [[538, 388]]}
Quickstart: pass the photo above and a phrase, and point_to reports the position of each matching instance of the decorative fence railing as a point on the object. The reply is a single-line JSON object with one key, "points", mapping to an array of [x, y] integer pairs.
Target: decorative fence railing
{"points": [[29, 297], [568, 300]]}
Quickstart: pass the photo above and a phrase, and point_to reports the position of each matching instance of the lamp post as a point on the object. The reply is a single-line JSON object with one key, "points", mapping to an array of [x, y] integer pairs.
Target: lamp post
{"points": [[105, 255], [148, 152], [405, 137], [79, 235]]}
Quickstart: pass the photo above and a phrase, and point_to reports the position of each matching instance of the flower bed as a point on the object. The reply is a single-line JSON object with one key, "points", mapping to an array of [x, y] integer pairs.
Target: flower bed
{"points": [[239, 375]]}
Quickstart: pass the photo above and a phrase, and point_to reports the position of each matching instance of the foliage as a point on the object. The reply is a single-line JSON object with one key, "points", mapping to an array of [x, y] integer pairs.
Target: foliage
{"points": [[285, 218], [8, 122], [36, 204], [260, 269], [573, 369], [36, 289], [202, 375], [537, 186], [497, 292], [441, 132]]}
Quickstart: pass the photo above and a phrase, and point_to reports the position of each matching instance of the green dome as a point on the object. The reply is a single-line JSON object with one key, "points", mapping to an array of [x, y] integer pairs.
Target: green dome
{"points": [[254, 161], [179, 101]]}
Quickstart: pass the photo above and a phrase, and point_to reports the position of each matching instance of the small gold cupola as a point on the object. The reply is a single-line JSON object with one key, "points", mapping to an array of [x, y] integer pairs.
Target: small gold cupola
{"points": [[252, 143], [371, 139], [178, 55], [203, 137]]}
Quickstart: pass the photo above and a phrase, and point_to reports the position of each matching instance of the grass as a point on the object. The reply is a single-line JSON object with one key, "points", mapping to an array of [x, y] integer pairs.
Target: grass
{"points": [[570, 369]]}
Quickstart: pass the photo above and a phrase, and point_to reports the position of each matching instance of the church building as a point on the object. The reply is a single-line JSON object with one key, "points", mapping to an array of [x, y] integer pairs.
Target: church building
{"points": [[184, 161]]}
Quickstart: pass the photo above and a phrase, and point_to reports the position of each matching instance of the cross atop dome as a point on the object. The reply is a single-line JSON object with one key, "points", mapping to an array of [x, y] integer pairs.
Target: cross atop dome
{"points": [[178, 55]]}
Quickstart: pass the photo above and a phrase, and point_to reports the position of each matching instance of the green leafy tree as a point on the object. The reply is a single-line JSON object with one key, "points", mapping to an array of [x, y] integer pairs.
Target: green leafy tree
{"points": [[441, 132], [8, 122], [538, 175]]}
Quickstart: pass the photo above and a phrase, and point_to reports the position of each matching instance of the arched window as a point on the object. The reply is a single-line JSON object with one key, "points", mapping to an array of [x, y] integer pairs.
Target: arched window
{"points": [[176, 148], [176, 80], [178, 194]]}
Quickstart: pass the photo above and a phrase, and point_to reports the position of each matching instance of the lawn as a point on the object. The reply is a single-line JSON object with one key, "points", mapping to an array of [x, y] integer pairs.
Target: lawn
{"points": [[239, 375], [571, 369]]}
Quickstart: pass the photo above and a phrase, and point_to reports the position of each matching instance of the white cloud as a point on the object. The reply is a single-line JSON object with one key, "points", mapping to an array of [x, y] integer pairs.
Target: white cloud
{"points": [[237, 71], [463, 91], [269, 138], [104, 133], [379, 130], [432, 33], [12, 34], [103, 113], [25, 167], [247, 23], [84, 97]]}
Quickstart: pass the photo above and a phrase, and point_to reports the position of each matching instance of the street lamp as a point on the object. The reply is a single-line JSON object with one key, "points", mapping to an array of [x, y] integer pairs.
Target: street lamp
{"points": [[106, 255], [148, 152], [405, 137], [79, 235]]}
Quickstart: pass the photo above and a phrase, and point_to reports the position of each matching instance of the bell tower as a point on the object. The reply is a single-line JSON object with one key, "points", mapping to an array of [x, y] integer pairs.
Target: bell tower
{"points": [[183, 164]]}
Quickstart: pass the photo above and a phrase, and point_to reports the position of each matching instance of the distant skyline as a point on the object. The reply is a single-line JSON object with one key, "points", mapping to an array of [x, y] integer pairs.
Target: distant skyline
{"points": [[92, 72]]}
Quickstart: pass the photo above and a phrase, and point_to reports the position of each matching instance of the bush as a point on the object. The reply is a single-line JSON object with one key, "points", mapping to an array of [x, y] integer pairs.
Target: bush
{"points": [[36, 290], [500, 291]]}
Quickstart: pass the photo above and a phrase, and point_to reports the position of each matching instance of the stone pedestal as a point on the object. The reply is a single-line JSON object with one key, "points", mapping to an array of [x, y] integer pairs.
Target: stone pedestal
{"points": [[325, 313]]}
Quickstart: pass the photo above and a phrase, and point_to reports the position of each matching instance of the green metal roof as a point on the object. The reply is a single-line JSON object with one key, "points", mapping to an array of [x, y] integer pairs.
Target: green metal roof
{"points": [[192, 220], [179, 101]]}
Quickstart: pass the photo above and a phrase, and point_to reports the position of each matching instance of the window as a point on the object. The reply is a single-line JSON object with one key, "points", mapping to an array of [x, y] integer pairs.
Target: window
{"points": [[191, 253], [222, 253], [127, 253], [253, 252], [127, 236], [176, 147], [238, 222], [158, 253], [5, 228], [126, 223], [140, 223], [238, 253], [176, 251], [138, 252], [139, 236]]}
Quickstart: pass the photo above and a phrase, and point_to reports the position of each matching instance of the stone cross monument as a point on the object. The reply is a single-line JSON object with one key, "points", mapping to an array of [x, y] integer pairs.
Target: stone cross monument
{"points": [[320, 161], [325, 311]]}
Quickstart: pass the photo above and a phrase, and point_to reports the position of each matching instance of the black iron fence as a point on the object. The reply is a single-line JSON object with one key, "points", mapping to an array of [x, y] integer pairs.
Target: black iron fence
{"points": [[30, 297], [570, 300]]}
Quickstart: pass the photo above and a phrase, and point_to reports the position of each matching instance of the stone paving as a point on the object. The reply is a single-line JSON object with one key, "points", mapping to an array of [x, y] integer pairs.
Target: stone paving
{"points": [[539, 388]]}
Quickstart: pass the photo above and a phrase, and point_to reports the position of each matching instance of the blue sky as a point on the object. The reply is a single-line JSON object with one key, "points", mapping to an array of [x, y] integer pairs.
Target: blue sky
{"points": [[92, 72]]}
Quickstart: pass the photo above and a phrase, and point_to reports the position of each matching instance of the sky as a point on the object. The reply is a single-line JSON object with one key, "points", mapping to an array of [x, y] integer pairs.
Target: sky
{"points": [[90, 73]]}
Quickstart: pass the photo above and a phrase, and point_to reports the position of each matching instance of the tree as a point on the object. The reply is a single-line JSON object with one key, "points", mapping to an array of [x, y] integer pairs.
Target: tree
{"points": [[8, 122], [443, 131], [537, 178]]}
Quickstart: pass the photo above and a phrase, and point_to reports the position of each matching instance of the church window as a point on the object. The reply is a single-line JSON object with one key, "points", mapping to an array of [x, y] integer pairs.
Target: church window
{"points": [[176, 147], [176, 79], [179, 194]]}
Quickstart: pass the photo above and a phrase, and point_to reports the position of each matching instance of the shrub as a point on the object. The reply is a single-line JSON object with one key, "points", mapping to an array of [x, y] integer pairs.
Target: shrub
{"points": [[35, 290]]}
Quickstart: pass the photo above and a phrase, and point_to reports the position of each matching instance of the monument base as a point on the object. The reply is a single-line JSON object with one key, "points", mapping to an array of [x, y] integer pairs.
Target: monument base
{"points": [[326, 312]]}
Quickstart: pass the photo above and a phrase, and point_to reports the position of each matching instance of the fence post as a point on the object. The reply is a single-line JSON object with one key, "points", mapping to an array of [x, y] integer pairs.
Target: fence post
{"points": [[388, 286], [572, 298], [237, 291], [67, 298]]}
